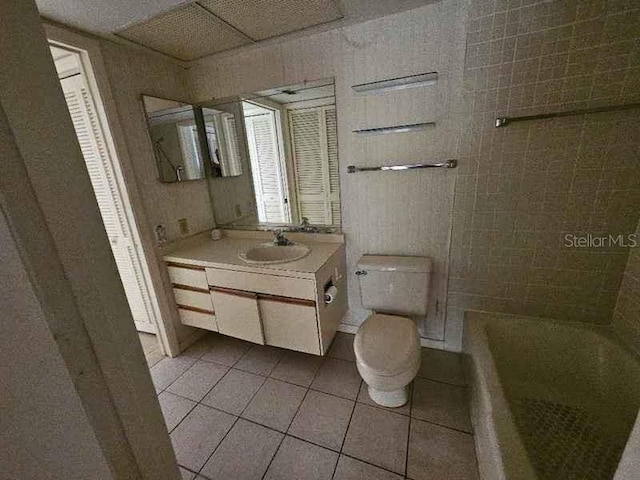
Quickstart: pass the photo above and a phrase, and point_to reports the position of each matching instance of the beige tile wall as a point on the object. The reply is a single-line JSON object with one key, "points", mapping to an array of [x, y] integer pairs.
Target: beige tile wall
{"points": [[626, 316], [402, 213], [132, 73], [522, 187]]}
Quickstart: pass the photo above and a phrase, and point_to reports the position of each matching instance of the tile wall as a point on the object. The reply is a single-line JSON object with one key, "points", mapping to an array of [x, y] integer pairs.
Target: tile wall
{"points": [[523, 187]]}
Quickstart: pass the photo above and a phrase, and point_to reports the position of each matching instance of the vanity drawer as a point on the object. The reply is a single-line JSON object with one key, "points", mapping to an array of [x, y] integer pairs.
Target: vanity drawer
{"points": [[191, 277], [289, 324], [262, 283], [193, 318], [190, 298]]}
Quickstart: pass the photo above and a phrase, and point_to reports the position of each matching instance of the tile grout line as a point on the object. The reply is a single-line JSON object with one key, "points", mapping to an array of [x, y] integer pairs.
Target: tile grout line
{"points": [[355, 404], [218, 446], [406, 459], [291, 422]]}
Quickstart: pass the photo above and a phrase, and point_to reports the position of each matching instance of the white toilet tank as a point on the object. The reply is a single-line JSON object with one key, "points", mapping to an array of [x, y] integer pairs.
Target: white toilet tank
{"points": [[393, 284]]}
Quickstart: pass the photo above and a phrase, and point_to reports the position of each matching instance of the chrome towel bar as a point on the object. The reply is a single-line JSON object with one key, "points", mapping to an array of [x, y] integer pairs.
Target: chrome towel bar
{"points": [[414, 166], [504, 121], [413, 127]]}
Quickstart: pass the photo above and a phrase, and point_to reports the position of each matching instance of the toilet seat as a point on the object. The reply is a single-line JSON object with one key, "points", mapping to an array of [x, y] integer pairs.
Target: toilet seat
{"points": [[387, 346]]}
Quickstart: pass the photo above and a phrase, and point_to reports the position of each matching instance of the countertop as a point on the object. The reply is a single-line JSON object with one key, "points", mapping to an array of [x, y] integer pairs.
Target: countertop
{"points": [[223, 253]]}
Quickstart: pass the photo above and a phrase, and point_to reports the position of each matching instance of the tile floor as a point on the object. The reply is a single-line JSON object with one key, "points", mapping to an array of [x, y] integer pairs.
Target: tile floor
{"points": [[240, 411]]}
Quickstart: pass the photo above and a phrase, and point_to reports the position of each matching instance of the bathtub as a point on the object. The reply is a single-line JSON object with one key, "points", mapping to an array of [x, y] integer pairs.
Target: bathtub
{"points": [[552, 400]]}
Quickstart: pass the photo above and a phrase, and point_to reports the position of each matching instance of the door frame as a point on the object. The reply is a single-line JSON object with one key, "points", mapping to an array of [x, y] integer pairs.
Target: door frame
{"points": [[97, 79]]}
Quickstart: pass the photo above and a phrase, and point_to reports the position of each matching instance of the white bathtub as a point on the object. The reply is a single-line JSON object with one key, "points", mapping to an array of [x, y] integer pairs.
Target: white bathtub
{"points": [[552, 400]]}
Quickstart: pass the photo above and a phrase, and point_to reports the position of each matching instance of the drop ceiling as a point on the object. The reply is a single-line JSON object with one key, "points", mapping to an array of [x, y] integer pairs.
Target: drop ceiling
{"points": [[188, 31]]}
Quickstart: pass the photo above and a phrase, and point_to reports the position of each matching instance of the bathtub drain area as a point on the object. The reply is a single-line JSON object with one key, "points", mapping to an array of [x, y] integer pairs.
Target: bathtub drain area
{"points": [[566, 442]]}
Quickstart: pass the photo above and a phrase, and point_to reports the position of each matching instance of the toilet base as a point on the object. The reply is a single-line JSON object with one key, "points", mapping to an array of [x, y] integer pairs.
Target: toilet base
{"points": [[392, 399]]}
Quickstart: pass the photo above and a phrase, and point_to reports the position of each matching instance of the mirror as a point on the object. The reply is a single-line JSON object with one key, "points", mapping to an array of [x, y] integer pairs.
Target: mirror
{"points": [[287, 156], [222, 141], [181, 154], [174, 136]]}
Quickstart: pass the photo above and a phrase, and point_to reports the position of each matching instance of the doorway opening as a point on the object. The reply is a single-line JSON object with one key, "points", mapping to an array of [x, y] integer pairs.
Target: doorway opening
{"points": [[94, 137]]}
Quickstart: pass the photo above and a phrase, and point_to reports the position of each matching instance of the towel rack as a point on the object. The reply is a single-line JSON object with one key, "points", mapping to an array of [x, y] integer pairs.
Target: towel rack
{"points": [[504, 121], [412, 127], [413, 166]]}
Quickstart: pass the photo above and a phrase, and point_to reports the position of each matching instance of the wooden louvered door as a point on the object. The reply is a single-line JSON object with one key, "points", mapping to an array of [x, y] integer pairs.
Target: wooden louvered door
{"points": [[315, 155], [109, 198], [267, 169]]}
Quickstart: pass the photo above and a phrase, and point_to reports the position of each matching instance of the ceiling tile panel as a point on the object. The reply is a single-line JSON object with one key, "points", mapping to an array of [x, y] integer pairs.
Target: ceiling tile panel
{"points": [[261, 19], [186, 33]]}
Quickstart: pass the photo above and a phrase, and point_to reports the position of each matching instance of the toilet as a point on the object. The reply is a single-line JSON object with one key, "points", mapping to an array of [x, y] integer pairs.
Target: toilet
{"points": [[387, 345]]}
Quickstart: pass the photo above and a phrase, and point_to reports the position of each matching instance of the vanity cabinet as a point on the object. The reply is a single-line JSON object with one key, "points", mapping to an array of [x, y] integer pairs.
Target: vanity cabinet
{"points": [[266, 309], [282, 306]]}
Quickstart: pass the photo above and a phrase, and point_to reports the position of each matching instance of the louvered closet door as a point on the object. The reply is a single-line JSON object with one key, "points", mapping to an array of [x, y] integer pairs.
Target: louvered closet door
{"points": [[267, 174], [105, 187], [315, 154]]}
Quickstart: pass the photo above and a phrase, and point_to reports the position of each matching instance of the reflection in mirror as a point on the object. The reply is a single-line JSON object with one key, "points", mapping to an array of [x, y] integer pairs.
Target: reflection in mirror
{"points": [[222, 140], [174, 135], [290, 147]]}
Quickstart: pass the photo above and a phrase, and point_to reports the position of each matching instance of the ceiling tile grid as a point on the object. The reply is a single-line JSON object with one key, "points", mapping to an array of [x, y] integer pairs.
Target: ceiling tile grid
{"points": [[186, 33], [209, 26]]}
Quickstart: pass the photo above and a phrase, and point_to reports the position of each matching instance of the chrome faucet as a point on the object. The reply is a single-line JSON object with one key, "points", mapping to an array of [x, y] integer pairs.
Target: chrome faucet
{"points": [[280, 240], [306, 227]]}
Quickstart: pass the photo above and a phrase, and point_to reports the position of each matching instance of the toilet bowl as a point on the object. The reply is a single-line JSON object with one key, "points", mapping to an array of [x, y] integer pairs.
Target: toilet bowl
{"points": [[387, 349]]}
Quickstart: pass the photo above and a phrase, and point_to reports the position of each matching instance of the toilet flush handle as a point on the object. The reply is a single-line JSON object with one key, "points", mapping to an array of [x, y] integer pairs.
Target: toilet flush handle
{"points": [[361, 272]]}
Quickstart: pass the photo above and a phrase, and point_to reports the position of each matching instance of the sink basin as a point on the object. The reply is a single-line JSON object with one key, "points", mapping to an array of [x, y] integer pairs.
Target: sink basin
{"points": [[269, 254]]}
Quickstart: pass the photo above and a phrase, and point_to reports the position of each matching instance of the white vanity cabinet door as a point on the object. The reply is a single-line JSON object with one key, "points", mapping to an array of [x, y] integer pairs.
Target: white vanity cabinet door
{"points": [[290, 323], [237, 314]]}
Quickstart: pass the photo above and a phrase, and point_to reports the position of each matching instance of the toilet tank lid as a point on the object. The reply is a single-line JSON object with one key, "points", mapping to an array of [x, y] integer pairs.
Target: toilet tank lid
{"points": [[388, 263]]}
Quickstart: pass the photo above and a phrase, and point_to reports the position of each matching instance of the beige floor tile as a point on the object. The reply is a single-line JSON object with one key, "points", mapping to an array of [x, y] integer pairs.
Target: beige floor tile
{"points": [[186, 474], [298, 368], [244, 454], [260, 359], [174, 408], [198, 435], [441, 403], [438, 453], [342, 347], [442, 366], [275, 404], [166, 371], [363, 397], [352, 469], [338, 377], [322, 419], [196, 382], [298, 460], [234, 391], [378, 437], [226, 350], [202, 346]]}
